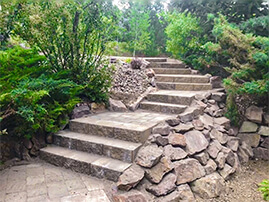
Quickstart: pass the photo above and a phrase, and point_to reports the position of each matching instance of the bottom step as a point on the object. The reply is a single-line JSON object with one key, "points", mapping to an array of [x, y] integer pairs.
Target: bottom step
{"points": [[90, 164], [163, 107]]}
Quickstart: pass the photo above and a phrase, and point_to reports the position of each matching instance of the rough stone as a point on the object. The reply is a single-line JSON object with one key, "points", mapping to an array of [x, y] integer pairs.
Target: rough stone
{"points": [[214, 148], [173, 122], [226, 171], [220, 160], [196, 142], [242, 155], [166, 186], [183, 127], [149, 156], [182, 193], [155, 174], [131, 196], [162, 129], [248, 127], [233, 143], [130, 177], [222, 121], [219, 113], [202, 157], [247, 149], [188, 170], [232, 160], [221, 137], [80, 111], [150, 73], [174, 153], [265, 143], [209, 186], [198, 125], [27, 143], [212, 109], [117, 105], [177, 139], [210, 167], [266, 118], [252, 139], [261, 153], [216, 81], [219, 97], [264, 131], [49, 138], [190, 114], [161, 140], [207, 120], [254, 113]]}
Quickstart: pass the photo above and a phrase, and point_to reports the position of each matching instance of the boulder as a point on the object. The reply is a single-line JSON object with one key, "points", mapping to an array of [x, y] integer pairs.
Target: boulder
{"points": [[149, 156], [177, 139], [173, 122], [166, 186], [174, 153], [261, 153], [264, 131], [198, 124], [252, 139], [216, 81], [248, 127], [80, 111], [221, 137], [27, 143], [214, 148], [210, 167], [130, 177], [210, 186], [162, 129], [226, 171], [222, 121], [233, 143], [131, 196], [117, 105], [218, 96], [181, 128], [155, 174], [265, 143], [242, 155], [207, 120], [232, 160], [202, 157], [189, 114], [254, 114], [188, 170], [219, 113], [266, 118], [220, 160], [196, 142], [161, 140], [247, 149]]}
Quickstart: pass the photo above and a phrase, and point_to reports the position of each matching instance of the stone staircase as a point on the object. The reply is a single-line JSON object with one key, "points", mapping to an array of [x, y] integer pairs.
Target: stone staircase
{"points": [[177, 87], [105, 144]]}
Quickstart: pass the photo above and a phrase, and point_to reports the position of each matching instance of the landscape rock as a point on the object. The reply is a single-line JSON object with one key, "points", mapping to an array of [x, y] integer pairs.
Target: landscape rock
{"points": [[266, 118], [49, 138], [196, 142], [248, 127], [166, 186], [265, 143], [207, 120], [149, 156], [190, 114], [214, 148], [264, 131], [80, 111], [219, 113], [161, 140], [247, 149], [188, 170], [177, 139], [117, 105], [162, 129], [150, 73], [202, 157], [219, 97], [130, 178], [216, 81], [174, 153], [198, 124], [221, 137], [173, 122], [220, 160], [261, 153], [252, 139], [242, 155], [222, 121], [233, 143], [254, 113], [226, 171], [232, 160], [181, 128], [210, 167], [210, 186], [131, 196], [155, 174], [27, 143]]}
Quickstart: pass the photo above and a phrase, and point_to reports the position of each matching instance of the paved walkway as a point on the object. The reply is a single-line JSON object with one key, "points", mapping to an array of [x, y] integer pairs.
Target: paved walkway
{"points": [[39, 181]]}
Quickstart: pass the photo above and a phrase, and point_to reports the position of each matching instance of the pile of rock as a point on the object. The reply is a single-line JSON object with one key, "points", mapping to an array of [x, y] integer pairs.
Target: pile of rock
{"points": [[254, 131], [187, 157]]}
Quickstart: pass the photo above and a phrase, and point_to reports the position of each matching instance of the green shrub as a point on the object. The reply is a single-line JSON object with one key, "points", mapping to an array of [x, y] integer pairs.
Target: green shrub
{"points": [[264, 188]]}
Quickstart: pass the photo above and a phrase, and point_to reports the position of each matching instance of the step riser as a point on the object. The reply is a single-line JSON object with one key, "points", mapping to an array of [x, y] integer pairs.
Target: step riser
{"points": [[183, 87], [79, 166], [162, 109], [104, 131], [94, 148], [182, 79], [170, 99], [171, 71], [167, 65]]}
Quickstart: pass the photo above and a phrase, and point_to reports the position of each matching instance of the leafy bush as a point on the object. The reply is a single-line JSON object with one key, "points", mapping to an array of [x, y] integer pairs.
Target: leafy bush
{"points": [[264, 188], [257, 26]]}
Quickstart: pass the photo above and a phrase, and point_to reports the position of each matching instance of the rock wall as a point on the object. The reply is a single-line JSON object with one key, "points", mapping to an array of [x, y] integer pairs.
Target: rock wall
{"points": [[187, 157]]}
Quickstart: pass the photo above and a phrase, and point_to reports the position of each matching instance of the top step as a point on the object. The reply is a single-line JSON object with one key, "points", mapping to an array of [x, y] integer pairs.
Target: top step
{"points": [[167, 65]]}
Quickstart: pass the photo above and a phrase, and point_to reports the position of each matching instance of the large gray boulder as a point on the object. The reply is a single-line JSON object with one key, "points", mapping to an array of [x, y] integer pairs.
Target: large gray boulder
{"points": [[117, 105], [149, 156], [196, 142], [254, 114], [248, 127]]}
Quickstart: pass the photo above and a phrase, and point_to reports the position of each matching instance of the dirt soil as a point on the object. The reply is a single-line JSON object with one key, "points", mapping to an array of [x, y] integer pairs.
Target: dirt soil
{"points": [[243, 186]]}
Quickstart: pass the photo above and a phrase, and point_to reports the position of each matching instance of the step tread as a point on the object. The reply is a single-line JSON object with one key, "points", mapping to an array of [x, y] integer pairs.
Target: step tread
{"points": [[178, 83], [178, 93], [181, 75], [100, 140], [163, 104], [93, 159]]}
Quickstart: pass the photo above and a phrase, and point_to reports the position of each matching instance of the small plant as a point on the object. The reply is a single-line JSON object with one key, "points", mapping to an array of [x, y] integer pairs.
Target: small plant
{"points": [[128, 60], [264, 188]]}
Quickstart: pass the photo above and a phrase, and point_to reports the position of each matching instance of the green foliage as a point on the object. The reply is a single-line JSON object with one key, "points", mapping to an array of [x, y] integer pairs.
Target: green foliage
{"points": [[117, 49], [264, 188], [257, 26]]}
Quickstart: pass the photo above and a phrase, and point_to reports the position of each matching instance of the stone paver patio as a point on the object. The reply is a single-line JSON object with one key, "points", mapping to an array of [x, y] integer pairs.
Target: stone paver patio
{"points": [[39, 181]]}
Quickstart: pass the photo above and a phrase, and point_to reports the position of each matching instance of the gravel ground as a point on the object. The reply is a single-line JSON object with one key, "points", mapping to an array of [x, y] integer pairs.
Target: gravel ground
{"points": [[243, 186]]}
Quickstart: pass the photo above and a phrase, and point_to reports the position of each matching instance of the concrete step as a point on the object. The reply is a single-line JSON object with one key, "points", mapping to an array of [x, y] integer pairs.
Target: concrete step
{"points": [[162, 107], [155, 59], [91, 164], [184, 86], [170, 96], [181, 78], [113, 148], [171, 71], [167, 65], [127, 126]]}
